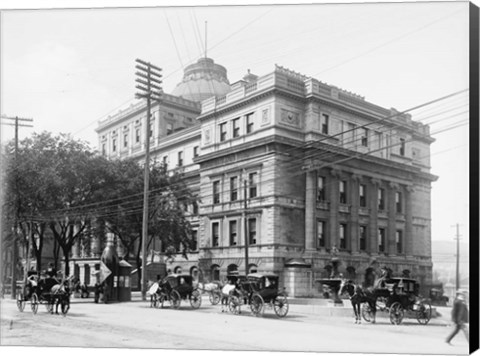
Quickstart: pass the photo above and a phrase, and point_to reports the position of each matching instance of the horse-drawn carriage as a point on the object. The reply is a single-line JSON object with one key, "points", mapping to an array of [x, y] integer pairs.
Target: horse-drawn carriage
{"points": [[175, 288], [399, 298], [259, 290], [47, 291]]}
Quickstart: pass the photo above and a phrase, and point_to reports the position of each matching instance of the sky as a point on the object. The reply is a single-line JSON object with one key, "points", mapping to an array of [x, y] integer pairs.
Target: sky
{"points": [[68, 68]]}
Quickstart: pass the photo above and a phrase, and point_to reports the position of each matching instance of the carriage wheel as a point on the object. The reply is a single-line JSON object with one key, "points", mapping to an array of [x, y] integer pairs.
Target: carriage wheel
{"points": [[234, 304], [65, 305], [34, 303], [280, 305], [424, 312], [214, 297], [367, 312], [21, 302], [256, 304], [195, 299], [175, 299], [396, 313]]}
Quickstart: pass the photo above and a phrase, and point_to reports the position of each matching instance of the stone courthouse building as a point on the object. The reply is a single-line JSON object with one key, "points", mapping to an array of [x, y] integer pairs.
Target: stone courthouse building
{"points": [[306, 171]]}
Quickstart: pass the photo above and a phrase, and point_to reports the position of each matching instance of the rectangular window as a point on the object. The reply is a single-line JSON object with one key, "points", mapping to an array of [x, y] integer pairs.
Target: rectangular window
{"points": [[363, 195], [169, 128], [398, 201], [363, 238], [215, 234], [180, 158], [252, 184], [381, 199], [324, 124], [165, 160], [381, 239], [195, 208], [233, 233], [343, 191], [150, 131], [365, 137], [398, 240], [321, 188], [320, 234], [125, 140], [402, 147], [252, 231], [342, 234], [104, 149], [194, 244], [114, 145], [233, 188], [195, 151], [249, 121], [216, 192], [236, 127], [137, 135], [223, 132]]}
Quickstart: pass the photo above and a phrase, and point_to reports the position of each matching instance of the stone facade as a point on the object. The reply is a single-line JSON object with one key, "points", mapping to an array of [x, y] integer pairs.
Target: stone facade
{"points": [[304, 170]]}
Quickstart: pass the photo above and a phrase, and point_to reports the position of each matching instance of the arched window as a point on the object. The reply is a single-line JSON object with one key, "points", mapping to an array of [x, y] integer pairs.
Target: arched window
{"points": [[177, 270], [215, 273], [232, 268], [194, 273], [252, 268], [351, 273]]}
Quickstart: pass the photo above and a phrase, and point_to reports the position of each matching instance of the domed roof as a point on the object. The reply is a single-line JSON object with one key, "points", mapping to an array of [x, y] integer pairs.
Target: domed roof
{"points": [[203, 80]]}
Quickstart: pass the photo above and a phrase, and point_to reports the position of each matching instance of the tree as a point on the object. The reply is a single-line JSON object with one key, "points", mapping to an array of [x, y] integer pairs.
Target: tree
{"points": [[169, 195], [56, 182]]}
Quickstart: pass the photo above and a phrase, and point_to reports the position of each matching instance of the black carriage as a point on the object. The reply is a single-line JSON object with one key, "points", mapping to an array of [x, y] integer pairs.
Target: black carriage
{"points": [[175, 288], [399, 298], [259, 291], [47, 291]]}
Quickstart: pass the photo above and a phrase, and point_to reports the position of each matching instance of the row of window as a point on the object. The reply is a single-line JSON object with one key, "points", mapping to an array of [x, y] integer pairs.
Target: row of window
{"points": [[233, 232], [235, 125], [234, 187], [362, 194], [362, 237], [364, 134]]}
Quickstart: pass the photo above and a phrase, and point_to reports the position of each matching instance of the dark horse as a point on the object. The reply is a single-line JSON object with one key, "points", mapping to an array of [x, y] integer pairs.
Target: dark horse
{"points": [[358, 296]]}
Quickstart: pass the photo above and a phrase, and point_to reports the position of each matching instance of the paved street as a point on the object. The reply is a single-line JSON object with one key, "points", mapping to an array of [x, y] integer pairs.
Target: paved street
{"points": [[136, 325]]}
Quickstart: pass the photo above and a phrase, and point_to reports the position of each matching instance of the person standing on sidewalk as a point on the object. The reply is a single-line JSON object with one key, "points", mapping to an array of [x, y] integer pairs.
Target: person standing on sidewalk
{"points": [[459, 316]]}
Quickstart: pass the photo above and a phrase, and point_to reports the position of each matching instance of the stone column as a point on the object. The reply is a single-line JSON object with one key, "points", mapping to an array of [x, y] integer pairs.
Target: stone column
{"points": [[408, 221], [392, 218], [372, 246], [310, 209], [354, 224], [333, 212]]}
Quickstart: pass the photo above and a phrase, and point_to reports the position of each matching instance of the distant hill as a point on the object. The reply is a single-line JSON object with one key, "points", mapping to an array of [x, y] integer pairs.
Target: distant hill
{"points": [[444, 260]]}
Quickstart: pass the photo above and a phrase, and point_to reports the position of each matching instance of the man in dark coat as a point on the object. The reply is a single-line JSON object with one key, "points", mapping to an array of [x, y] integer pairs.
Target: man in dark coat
{"points": [[459, 316]]}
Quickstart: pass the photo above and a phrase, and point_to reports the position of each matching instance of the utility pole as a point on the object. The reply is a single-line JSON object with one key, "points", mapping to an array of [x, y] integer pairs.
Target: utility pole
{"points": [[245, 222], [149, 86], [457, 282], [19, 122]]}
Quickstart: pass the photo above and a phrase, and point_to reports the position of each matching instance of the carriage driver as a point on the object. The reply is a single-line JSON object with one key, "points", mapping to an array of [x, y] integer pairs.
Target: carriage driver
{"points": [[381, 282]]}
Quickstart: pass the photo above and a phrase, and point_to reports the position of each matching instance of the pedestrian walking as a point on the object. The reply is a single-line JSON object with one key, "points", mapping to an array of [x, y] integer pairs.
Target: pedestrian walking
{"points": [[459, 316]]}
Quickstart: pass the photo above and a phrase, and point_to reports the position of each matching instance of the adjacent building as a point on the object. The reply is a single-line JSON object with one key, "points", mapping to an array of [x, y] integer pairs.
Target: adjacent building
{"points": [[303, 170]]}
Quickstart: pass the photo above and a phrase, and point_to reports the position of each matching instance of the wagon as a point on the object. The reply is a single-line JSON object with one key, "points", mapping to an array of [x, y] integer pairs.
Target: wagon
{"points": [[44, 291], [402, 298], [175, 288], [262, 291]]}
